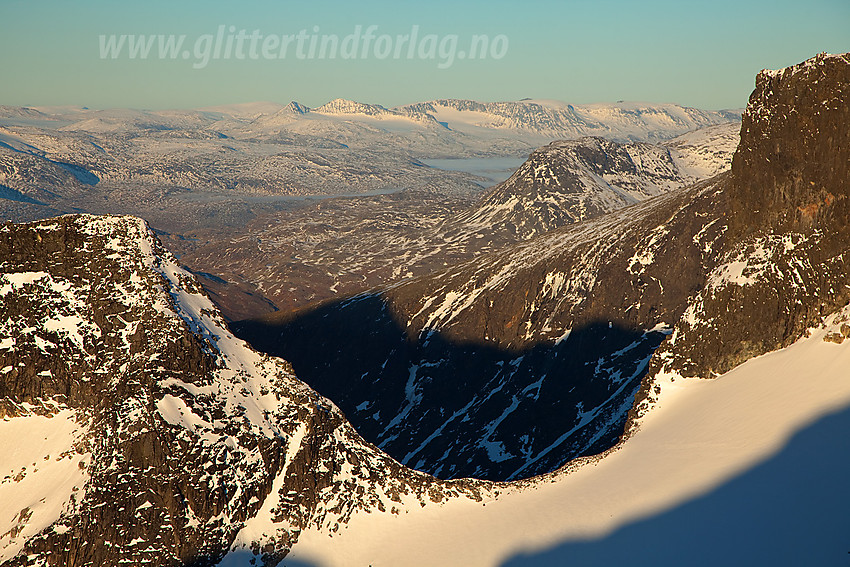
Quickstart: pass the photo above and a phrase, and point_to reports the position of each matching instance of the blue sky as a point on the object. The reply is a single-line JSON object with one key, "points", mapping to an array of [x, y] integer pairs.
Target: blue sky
{"points": [[702, 54]]}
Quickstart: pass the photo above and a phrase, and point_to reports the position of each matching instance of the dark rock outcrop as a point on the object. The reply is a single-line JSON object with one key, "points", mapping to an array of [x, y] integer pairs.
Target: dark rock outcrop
{"points": [[791, 172], [786, 260], [187, 431]]}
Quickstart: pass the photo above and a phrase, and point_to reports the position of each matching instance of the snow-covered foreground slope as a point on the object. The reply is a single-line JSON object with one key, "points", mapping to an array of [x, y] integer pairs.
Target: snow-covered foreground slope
{"points": [[700, 437], [42, 475]]}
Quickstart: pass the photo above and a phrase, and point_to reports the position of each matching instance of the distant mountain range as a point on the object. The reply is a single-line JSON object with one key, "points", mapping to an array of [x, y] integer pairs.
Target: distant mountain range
{"points": [[621, 121], [234, 187], [527, 118]]}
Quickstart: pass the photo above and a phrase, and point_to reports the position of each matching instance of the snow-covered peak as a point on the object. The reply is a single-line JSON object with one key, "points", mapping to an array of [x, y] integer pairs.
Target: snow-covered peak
{"points": [[296, 108], [341, 106]]}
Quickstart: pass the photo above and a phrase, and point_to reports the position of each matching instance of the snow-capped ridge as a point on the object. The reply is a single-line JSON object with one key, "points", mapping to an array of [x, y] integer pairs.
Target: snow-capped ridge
{"points": [[806, 66], [617, 121]]}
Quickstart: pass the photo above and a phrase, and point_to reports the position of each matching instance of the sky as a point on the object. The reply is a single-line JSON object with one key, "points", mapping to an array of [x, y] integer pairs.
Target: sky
{"points": [[701, 54]]}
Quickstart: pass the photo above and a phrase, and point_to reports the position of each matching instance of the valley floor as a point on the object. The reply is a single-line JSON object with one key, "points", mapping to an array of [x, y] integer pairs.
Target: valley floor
{"points": [[748, 469]]}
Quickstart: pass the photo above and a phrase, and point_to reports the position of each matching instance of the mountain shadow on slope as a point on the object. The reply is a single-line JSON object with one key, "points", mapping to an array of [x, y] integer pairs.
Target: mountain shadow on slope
{"points": [[463, 408]]}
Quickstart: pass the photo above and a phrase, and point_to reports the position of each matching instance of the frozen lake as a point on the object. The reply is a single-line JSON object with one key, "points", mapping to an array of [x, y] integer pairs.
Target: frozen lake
{"points": [[493, 169]]}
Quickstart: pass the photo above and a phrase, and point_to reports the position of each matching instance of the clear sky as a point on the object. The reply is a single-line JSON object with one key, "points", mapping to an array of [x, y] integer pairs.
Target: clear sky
{"points": [[702, 54]]}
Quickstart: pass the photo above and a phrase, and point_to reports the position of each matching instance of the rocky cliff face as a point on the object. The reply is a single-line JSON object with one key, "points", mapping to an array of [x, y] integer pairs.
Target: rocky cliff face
{"points": [[786, 260], [511, 364], [182, 435], [791, 172]]}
